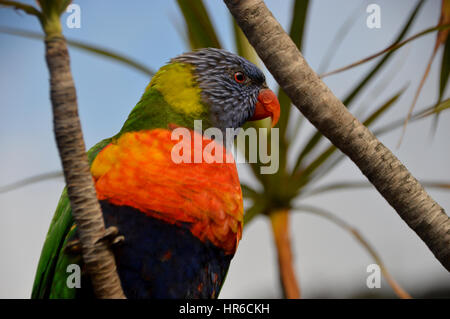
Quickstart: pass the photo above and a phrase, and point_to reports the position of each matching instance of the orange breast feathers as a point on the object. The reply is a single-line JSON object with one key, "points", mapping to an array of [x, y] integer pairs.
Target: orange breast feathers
{"points": [[137, 170]]}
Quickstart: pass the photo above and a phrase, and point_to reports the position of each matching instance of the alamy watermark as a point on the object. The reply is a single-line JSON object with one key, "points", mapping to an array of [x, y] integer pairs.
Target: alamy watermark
{"points": [[374, 279], [189, 141], [74, 278], [73, 21], [373, 20]]}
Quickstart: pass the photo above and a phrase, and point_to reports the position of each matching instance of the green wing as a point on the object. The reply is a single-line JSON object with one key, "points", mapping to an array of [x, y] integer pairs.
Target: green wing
{"points": [[51, 276]]}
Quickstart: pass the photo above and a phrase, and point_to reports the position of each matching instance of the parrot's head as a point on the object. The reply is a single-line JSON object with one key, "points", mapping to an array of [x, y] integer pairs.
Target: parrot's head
{"points": [[234, 89]]}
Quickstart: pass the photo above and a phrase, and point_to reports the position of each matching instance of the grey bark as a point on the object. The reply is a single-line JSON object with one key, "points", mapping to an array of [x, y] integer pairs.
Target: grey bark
{"points": [[86, 211], [327, 113]]}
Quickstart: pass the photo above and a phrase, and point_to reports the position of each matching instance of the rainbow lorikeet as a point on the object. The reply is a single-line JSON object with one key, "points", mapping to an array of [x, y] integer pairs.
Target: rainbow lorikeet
{"points": [[181, 222]]}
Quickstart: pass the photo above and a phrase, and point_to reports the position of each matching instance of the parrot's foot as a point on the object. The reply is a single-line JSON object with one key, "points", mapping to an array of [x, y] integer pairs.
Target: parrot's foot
{"points": [[73, 247], [111, 237]]}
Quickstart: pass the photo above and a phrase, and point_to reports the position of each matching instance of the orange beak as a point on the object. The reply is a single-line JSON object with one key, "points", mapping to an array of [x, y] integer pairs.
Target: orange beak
{"points": [[267, 105]]}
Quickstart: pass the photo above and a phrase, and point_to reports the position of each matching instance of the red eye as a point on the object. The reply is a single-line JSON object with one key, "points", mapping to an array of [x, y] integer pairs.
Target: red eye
{"points": [[239, 77]]}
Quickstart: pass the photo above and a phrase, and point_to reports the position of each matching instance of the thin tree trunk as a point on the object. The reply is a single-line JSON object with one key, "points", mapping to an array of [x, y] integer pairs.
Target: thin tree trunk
{"points": [[280, 227], [98, 258], [327, 113]]}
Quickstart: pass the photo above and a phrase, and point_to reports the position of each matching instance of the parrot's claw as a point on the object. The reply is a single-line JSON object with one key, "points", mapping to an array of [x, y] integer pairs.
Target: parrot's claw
{"points": [[112, 236], [73, 247]]}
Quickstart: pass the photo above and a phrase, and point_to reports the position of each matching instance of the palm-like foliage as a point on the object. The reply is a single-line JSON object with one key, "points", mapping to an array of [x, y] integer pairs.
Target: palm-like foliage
{"points": [[280, 192]]}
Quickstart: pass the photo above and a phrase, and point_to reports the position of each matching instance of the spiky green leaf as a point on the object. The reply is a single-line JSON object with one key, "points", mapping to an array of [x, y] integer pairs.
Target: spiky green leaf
{"points": [[200, 30]]}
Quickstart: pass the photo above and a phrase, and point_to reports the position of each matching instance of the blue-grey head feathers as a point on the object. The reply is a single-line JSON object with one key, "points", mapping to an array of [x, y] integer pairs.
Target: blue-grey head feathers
{"points": [[231, 102]]}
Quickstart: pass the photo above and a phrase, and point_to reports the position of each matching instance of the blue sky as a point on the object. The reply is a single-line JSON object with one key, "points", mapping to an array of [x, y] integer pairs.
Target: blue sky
{"points": [[328, 261]]}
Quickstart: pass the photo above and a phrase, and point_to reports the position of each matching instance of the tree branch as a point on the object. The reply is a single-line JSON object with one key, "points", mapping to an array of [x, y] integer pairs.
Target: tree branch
{"points": [[98, 258], [330, 116], [86, 211]]}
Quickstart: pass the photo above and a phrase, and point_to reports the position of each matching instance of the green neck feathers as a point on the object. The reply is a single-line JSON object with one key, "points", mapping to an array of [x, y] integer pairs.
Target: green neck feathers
{"points": [[172, 97]]}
